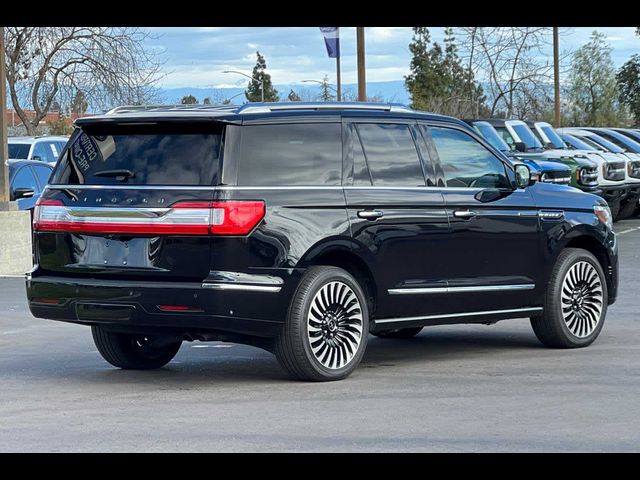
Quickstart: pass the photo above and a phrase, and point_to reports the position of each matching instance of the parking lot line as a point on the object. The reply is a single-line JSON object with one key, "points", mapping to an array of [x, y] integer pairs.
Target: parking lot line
{"points": [[627, 231]]}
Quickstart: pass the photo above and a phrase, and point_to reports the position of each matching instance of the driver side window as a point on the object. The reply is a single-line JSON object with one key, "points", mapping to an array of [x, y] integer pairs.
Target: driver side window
{"points": [[466, 162]]}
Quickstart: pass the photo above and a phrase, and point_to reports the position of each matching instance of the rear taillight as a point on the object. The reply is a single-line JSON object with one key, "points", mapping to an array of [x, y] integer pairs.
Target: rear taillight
{"points": [[235, 217]]}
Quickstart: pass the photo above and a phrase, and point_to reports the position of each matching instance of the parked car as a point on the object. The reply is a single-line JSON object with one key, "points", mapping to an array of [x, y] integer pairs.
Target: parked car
{"points": [[519, 137], [550, 171], [27, 179], [45, 149], [612, 181], [308, 227], [629, 202]]}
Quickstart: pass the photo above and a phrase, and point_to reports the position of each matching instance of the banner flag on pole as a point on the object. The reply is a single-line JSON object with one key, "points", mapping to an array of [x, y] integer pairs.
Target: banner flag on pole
{"points": [[332, 40]]}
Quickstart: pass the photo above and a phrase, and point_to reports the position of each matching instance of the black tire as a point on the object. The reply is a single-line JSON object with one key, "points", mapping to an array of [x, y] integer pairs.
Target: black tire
{"points": [[627, 209], [132, 352], [398, 333], [615, 211], [550, 327], [293, 347]]}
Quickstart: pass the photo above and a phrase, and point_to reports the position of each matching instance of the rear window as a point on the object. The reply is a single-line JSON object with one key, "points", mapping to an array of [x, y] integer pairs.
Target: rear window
{"points": [[159, 154], [290, 155], [19, 150]]}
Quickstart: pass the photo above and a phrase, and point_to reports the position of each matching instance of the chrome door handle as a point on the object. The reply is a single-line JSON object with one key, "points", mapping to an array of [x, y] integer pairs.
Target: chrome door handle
{"points": [[466, 214], [370, 214]]}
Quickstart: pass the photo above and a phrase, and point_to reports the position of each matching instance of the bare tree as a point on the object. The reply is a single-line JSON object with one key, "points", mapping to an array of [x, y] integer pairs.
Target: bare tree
{"points": [[51, 64], [513, 66]]}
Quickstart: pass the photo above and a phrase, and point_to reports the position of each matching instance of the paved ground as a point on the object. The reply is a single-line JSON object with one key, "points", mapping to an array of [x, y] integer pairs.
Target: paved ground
{"points": [[458, 388]]}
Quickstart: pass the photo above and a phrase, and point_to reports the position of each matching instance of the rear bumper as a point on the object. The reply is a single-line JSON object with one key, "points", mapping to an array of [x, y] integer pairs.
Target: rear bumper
{"points": [[255, 309]]}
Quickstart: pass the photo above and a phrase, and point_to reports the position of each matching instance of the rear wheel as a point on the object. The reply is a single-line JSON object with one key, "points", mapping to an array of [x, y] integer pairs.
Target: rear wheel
{"points": [[133, 351], [398, 333], [325, 334], [575, 302]]}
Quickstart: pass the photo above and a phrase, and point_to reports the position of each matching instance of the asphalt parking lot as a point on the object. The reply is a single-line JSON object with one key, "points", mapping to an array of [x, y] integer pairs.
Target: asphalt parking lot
{"points": [[453, 388]]}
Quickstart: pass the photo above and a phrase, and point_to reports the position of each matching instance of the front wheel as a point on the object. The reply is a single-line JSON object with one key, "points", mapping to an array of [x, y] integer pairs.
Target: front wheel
{"points": [[325, 333], [575, 302], [133, 351]]}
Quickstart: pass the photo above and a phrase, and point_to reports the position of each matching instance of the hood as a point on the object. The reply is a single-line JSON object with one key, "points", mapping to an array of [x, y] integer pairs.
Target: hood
{"points": [[545, 165], [553, 196]]}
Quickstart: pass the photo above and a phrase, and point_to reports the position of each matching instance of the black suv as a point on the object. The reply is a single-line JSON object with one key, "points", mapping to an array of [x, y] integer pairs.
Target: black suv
{"points": [[301, 228]]}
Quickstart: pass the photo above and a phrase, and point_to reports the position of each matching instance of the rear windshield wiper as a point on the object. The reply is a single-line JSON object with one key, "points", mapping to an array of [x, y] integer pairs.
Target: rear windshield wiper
{"points": [[121, 175]]}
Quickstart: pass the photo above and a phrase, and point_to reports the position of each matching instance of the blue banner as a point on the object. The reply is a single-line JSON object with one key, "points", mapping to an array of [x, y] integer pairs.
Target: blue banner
{"points": [[332, 40]]}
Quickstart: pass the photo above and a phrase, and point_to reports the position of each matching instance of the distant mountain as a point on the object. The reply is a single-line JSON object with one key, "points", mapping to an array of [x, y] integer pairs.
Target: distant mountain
{"points": [[393, 91]]}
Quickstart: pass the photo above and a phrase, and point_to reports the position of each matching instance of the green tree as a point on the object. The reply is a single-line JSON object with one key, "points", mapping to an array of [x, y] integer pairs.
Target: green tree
{"points": [[437, 80], [189, 100], [294, 97], [79, 104], [206, 101], [593, 92], [628, 79], [325, 90], [260, 79]]}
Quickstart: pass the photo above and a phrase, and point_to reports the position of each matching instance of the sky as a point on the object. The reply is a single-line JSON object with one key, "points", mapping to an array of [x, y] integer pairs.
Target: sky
{"points": [[196, 56]]}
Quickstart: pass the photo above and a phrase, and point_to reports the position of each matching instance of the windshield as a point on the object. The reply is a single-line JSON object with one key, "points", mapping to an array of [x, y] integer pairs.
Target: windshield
{"points": [[606, 144], [162, 154], [506, 136], [19, 151], [621, 140], [526, 135], [553, 137], [491, 135], [578, 144]]}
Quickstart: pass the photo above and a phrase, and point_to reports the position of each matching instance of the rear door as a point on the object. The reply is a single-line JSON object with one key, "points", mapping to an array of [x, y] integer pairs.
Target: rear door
{"points": [[132, 201], [495, 246], [397, 215]]}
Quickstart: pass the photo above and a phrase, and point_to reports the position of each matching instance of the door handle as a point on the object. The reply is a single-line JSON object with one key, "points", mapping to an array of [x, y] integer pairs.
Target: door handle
{"points": [[465, 214], [370, 214]]}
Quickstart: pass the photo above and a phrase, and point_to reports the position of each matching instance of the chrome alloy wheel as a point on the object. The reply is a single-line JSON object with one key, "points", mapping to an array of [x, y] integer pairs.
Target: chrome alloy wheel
{"points": [[582, 299], [334, 325]]}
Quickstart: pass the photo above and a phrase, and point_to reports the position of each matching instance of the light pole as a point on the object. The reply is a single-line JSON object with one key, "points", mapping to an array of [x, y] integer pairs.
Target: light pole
{"points": [[261, 80], [556, 79], [4, 170]]}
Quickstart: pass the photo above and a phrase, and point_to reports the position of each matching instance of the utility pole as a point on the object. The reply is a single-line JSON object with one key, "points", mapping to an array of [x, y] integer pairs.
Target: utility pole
{"points": [[362, 80], [4, 153], [556, 78]]}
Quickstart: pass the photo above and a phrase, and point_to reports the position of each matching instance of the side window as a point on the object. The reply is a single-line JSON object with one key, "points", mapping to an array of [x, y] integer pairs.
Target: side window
{"points": [[391, 154], [42, 150], [24, 179], [361, 175], [506, 136], [466, 163], [43, 173], [293, 154]]}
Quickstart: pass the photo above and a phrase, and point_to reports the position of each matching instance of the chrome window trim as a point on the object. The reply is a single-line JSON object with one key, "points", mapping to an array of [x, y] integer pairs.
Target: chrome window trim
{"points": [[455, 315], [474, 288]]}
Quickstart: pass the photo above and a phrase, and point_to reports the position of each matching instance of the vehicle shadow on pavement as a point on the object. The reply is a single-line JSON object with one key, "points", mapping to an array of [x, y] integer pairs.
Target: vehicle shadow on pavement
{"points": [[229, 364]]}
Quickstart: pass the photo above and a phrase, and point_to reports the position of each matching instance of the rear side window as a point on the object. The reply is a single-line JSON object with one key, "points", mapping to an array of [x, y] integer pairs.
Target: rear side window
{"points": [[19, 151], [290, 155], [391, 154], [466, 162], [158, 154]]}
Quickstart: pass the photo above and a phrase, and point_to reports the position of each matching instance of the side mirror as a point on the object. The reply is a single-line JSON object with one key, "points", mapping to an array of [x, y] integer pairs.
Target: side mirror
{"points": [[520, 147], [23, 193], [523, 176]]}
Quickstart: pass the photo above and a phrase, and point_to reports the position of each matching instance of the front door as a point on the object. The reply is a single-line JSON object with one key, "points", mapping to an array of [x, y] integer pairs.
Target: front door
{"points": [[495, 243]]}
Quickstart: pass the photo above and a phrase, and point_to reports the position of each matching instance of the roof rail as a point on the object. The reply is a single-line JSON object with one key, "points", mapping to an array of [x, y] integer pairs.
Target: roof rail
{"points": [[276, 107], [178, 107]]}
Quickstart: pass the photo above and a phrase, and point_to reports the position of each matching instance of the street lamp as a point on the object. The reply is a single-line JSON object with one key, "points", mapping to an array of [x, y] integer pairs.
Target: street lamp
{"points": [[236, 95], [322, 83], [261, 80]]}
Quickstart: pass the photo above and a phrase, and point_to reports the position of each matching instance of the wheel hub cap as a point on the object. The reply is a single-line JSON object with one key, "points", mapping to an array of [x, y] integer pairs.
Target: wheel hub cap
{"points": [[582, 299], [334, 325]]}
